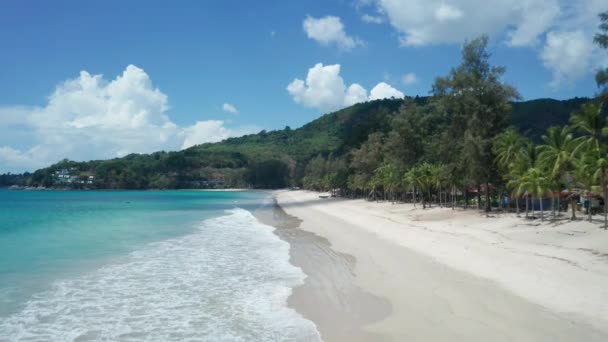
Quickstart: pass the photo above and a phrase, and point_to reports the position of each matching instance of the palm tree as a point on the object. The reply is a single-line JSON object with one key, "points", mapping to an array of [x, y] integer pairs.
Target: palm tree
{"points": [[584, 173], [590, 122], [375, 183], [536, 185], [556, 157], [523, 161], [412, 177], [387, 175], [421, 177], [427, 172], [597, 162], [425, 176], [507, 147], [438, 179]]}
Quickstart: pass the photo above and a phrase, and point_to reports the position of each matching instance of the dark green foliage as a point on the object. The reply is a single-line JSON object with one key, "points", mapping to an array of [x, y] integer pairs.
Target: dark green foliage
{"points": [[534, 117], [416, 132], [14, 179], [412, 131], [325, 174], [478, 106], [269, 174]]}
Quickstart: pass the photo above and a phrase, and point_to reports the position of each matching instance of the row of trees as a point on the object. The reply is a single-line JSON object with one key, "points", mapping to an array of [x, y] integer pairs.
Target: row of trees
{"points": [[165, 170], [460, 143], [572, 158]]}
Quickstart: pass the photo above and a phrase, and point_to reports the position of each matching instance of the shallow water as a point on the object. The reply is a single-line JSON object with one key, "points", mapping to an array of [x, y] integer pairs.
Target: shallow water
{"points": [[179, 265]]}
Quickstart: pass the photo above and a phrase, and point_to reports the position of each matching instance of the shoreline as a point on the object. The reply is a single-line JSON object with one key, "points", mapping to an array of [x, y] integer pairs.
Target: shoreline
{"points": [[448, 275], [328, 297], [28, 188]]}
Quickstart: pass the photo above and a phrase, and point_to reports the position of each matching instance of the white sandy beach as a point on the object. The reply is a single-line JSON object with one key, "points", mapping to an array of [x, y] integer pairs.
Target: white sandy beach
{"points": [[454, 275]]}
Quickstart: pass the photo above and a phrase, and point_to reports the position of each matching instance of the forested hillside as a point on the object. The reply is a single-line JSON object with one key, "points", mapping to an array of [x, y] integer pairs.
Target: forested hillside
{"points": [[264, 160], [533, 117], [272, 159]]}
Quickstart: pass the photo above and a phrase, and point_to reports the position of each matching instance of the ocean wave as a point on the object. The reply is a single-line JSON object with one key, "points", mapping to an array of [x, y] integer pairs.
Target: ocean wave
{"points": [[228, 281]]}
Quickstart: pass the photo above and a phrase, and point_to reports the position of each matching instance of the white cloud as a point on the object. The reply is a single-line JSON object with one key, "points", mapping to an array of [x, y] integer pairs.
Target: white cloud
{"points": [[329, 30], [372, 19], [355, 94], [325, 90], [536, 18], [568, 55], [447, 12], [212, 131], [542, 25], [227, 107], [409, 79], [423, 22], [15, 161], [385, 91], [91, 118]]}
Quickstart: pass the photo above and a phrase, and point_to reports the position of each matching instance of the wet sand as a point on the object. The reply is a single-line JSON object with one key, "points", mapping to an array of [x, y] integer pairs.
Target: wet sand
{"points": [[329, 296]]}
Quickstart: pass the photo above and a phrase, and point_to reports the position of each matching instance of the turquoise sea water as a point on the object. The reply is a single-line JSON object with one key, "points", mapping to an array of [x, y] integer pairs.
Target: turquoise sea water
{"points": [[155, 265]]}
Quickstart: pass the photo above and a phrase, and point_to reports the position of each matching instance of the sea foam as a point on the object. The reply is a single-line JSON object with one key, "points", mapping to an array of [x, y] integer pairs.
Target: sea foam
{"points": [[228, 281]]}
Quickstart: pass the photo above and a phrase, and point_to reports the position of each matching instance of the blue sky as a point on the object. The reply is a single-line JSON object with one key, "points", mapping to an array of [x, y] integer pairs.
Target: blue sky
{"points": [[200, 55]]}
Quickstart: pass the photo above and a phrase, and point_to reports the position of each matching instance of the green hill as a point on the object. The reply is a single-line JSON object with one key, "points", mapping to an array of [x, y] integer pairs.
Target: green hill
{"points": [[534, 117], [267, 159]]}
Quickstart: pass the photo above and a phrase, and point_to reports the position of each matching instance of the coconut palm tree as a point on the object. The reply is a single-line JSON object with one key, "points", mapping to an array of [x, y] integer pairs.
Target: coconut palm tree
{"points": [[421, 177], [556, 156], [414, 179], [584, 173], [535, 184], [387, 176], [438, 180], [596, 162], [427, 172], [590, 122], [523, 161], [507, 147]]}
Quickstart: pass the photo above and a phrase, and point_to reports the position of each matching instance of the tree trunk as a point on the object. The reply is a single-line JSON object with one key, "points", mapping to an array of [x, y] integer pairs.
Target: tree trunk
{"points": [[423, 200], [453, 196], [605, 190], [488, 204], [559, 202], [573, 204], [517, 205], [589, 206], [542, 216], [478, 196], [532, 206]]}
